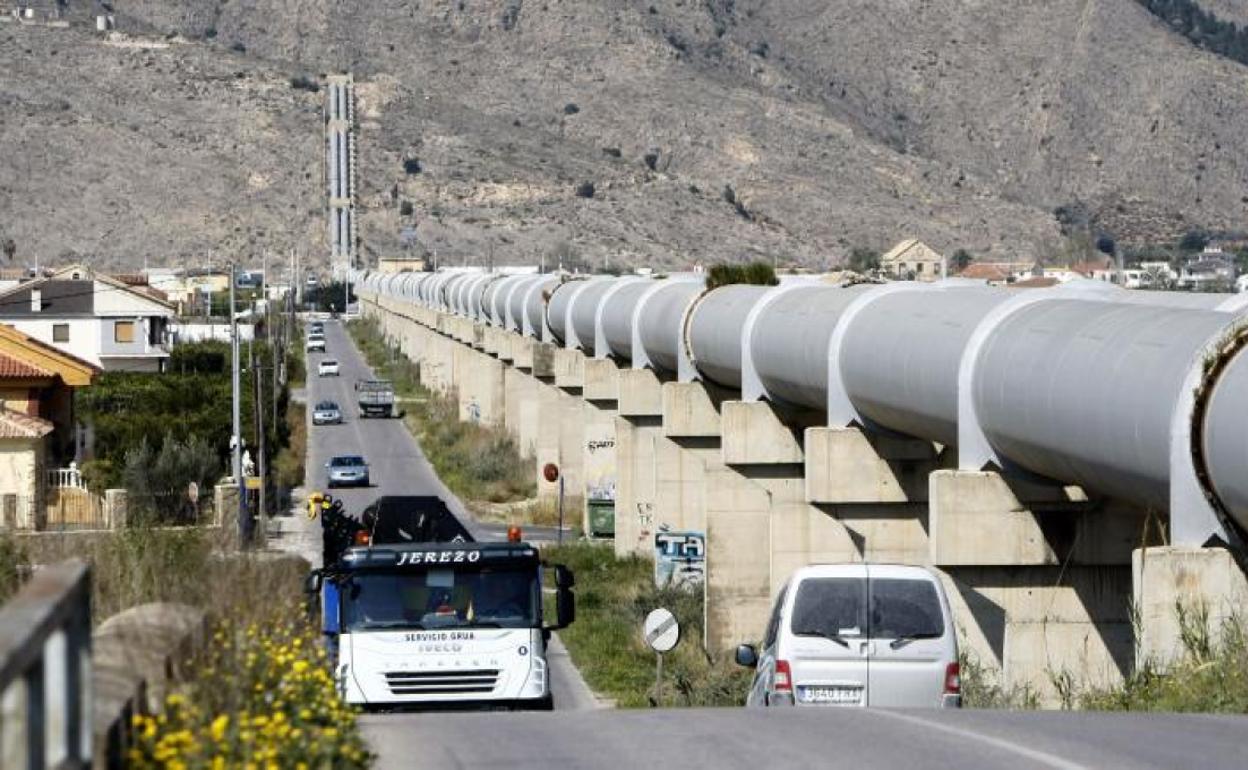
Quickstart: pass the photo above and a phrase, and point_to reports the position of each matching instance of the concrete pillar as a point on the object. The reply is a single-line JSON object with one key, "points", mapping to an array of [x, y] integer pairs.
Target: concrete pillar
{"points": [[1205, 584], [1032, 627], [115, 509], [520, 408], [1038, 577], [764, 489], [601, 392], [479, 386]]}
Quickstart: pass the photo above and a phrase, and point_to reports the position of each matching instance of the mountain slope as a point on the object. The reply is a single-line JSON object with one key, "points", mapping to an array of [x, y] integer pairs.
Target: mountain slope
{"points": [[726, 129]]}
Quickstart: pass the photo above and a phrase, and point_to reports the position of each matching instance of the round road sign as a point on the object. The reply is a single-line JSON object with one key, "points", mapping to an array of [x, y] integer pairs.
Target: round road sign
{"points": [[661, 630], [551, 472]]}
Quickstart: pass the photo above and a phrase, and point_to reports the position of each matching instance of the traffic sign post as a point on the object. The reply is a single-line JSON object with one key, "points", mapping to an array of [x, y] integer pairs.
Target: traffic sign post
{"points": [[551, 472], [662, 633]]}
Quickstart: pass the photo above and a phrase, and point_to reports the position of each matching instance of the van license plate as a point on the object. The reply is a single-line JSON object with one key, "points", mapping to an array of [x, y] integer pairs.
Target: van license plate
{"points": [[842, 696]]}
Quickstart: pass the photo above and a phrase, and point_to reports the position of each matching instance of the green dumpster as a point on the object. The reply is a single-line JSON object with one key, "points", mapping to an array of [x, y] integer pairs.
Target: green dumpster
{"points": [[602, 518]]}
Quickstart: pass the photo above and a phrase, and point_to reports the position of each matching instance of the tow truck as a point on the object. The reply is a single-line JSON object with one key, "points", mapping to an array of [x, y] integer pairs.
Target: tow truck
{"points": [[418, 614]]}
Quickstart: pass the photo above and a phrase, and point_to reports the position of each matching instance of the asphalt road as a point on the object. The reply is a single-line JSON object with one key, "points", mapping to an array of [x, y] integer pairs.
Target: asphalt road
{"points": [[397, 467], [803, 738]]}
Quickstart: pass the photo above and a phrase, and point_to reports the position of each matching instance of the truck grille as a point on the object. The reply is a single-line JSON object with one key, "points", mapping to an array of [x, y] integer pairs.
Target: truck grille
{"points": [[441, 682]]}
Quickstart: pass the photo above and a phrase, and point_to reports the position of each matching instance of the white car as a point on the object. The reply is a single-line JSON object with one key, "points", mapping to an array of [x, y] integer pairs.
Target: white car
{"points": [[327, 368], [316, 343], [857, 635]]}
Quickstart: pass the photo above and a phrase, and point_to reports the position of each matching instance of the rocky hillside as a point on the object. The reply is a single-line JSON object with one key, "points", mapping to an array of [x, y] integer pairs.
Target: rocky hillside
{"points": [[675, 131], [124, 150]]}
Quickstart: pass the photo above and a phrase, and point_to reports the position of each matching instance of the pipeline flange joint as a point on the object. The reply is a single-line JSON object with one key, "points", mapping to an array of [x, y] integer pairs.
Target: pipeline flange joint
{"points": [[1217, 358]]}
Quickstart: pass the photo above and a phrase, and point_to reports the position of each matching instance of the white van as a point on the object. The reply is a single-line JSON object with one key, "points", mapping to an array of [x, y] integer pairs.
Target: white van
{"points": [[857, 635]]}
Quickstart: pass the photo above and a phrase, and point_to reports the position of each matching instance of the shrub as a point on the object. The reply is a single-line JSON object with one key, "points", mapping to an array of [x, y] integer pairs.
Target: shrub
{"points": [[261, 692], [613, 598], [304, 83], [405, 208], [570, 109], [651, 160], [411, 166], [752, 273], [156, 481], [585, 190], [863, 260], [14, 565], [288, 466]]}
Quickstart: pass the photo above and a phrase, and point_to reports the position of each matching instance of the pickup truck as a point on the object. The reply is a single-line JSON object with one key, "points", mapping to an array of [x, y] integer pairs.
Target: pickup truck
{"points": [[375, 397]]}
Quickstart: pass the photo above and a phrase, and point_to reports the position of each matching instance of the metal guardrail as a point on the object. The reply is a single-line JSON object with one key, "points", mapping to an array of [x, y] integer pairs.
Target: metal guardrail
{"points": [[45, 671]]}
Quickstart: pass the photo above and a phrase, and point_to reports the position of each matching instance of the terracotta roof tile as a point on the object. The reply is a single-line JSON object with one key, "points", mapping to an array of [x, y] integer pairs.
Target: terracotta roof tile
{"points": [[12, 367], [18, 425]]}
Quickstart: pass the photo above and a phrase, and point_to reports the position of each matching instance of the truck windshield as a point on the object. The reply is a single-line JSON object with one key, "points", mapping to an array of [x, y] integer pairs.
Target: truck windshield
{"points": [[437, 599]]}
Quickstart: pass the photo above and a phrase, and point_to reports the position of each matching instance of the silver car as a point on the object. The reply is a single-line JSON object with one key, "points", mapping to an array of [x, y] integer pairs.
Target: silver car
{"points": [[347, 471], [857, 635], [326, 413]]}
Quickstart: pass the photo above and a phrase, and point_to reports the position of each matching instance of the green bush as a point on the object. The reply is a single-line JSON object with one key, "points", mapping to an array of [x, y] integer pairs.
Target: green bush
{"points": [[191, 399], [157, 481], [752, 273], [1211, 674], [613, 598], [14, 565]]}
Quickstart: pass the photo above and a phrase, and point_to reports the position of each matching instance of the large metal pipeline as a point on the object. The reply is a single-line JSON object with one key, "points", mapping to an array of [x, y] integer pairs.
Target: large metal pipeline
{"points": [[1224, 438], [1084, 391], [557, 307], [661, 323], [617, 318], [533, 304], [714, 330], [789, 342], [1079, 384], [901, 354], [584, 311]]}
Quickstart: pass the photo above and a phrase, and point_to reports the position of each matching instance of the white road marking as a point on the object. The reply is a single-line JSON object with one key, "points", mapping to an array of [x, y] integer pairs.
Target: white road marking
{"points": [[1042, 757]]}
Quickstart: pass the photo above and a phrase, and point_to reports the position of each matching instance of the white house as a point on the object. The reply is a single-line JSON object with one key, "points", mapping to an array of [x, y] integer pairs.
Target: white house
{"points": [[94, 317]]}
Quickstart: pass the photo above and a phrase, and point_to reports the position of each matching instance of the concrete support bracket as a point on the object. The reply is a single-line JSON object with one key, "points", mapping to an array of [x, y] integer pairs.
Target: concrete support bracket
{"points": [[754, 434], [641, 394], [601, 380], [847, 465], [569, 368], [692, 410]]}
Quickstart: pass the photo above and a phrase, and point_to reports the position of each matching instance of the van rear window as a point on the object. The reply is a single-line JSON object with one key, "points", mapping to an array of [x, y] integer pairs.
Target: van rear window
{"points": [[830, 607], [905, 609], [837, 608]]}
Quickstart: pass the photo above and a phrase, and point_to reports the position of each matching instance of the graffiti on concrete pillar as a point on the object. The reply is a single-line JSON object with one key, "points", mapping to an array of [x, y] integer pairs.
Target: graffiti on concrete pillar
{"points": [[474, 410], [600, 462], [679, 559]]}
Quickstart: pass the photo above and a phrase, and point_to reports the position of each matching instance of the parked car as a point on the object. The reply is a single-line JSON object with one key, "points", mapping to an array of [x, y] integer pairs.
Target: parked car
{"points": [[327, 368], [857, 635], [316, 343], [326, 413], [347, 471], [316, 327]]}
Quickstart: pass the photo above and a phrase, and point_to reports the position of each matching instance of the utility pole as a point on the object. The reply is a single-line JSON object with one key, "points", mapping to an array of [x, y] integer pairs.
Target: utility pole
{"points": [[235, 407], [257, 398]]}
